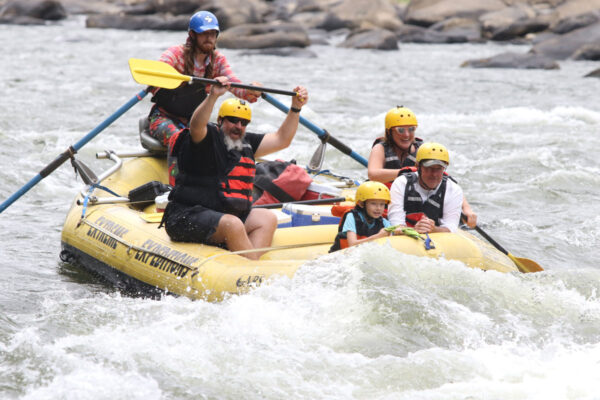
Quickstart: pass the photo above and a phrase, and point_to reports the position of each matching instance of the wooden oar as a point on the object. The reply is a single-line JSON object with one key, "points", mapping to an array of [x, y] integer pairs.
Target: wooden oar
{"points": [[68, 153], [524, 264], [162, 75]]}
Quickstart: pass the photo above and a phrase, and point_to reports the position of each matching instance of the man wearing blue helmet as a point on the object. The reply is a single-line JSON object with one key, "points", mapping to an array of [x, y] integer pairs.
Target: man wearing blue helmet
{"points": [[198, 57]]}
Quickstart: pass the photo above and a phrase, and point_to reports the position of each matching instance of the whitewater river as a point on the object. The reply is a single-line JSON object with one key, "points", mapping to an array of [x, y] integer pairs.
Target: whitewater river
{"points": [[371, 325]]}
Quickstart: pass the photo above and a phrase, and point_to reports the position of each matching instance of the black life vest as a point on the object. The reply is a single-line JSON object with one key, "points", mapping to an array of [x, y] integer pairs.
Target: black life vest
{"points": [[181, 101], [414, 207], [362, 228], [229, 192], [391, 158]]}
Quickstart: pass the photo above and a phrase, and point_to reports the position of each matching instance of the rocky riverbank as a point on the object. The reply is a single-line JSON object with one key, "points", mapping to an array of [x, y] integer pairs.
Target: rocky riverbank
{"points": [[555, 29]]}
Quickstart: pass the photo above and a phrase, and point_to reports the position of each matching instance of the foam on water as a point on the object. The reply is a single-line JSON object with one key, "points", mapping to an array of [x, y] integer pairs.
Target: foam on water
{"points": [[372, 323]]}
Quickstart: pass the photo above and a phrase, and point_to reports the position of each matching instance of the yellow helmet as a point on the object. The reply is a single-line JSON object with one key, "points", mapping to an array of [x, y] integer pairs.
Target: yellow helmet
{"points": [[400, 116], [235, 108], [434, 152], [371, 190]]}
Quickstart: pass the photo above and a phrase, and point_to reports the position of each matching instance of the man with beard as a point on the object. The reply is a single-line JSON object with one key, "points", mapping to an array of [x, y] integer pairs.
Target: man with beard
{"points": [[197, 57], [212, 198]]}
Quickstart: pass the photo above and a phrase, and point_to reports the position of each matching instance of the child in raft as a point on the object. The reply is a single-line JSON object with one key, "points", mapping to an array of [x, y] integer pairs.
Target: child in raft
{"points": [[365, 221]]}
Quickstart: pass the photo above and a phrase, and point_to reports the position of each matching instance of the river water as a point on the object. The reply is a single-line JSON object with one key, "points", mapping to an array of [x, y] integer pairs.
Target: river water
{"points": [[374, 324]]}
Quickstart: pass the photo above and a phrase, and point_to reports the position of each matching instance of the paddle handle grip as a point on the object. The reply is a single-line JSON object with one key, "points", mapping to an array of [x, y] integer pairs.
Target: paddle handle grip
{"points": [[243, 86]]}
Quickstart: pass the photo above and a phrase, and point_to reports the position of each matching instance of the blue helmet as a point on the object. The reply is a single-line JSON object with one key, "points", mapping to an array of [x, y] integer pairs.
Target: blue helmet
{"points": [[203, 21]]}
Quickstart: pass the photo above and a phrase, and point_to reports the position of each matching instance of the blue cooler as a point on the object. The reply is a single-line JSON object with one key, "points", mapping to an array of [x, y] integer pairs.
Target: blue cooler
{"points": [[283, 220], [305, 215]]}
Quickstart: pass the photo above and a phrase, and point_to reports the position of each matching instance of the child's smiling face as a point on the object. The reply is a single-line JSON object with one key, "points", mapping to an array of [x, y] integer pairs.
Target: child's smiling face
{"points": [[375, 207]]}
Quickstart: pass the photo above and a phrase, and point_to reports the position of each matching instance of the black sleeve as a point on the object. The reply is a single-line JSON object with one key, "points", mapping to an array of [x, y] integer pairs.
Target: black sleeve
{"points": [[254, 139]]}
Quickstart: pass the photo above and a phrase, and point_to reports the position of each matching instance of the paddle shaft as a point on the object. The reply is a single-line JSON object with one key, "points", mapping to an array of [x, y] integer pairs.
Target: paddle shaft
{"points": [[242, 86], [486, 236], [305, 202], [323, 134], [64, 156]]}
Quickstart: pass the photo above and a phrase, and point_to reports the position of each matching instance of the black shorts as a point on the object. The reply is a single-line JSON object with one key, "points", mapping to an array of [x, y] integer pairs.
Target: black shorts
{"points": [[191, 223]]}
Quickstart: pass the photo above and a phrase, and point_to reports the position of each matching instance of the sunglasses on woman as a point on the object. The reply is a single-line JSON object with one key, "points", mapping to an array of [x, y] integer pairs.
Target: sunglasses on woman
{"points": [[399, 129], [235, 120]]}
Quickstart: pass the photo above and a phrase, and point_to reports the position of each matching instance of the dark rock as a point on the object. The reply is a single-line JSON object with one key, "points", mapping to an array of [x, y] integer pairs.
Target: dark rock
{"points": [[282, 52], [571, 9], [519, 28], [576, 22], [308, 6], [594, 74], [588, 52], [331, 22], [417, 34], [260, 36], [513, 60], [134, 22], [502, 19], [380, 39], [48, 10], [561, 47]]}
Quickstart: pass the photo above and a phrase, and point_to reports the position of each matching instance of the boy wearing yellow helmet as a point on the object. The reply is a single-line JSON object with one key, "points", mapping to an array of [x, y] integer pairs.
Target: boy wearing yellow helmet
{"points": [[365, 221], [212, 198], [397, 151], [426, 199]]}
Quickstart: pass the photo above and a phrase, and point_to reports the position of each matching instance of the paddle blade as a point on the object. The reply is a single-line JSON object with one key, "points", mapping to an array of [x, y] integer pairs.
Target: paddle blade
{"points": [[316, 161], [525, 265], [156, 73]]}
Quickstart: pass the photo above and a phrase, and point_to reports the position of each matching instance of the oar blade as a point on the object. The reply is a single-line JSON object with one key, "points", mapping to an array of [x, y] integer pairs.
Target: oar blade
{"points": [[316, 161], [525, 265], [156, 73]]}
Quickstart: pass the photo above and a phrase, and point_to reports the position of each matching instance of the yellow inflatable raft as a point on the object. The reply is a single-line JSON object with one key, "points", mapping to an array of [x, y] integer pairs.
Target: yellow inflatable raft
{"points": [[122, 242]]}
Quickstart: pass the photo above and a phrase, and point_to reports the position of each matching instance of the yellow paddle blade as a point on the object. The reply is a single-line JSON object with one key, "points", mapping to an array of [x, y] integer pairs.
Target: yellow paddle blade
{"points": [[156, 73], [153, 218], [524, 264]]}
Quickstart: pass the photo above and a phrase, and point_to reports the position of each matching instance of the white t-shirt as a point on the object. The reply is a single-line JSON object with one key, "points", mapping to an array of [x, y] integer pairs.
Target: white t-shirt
{"points": [[452, 202]]}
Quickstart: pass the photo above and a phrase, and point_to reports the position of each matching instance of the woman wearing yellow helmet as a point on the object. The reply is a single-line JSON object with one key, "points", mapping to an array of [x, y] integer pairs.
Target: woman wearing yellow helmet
{"points": [[365, 221], [397, 149], [396, 152]]}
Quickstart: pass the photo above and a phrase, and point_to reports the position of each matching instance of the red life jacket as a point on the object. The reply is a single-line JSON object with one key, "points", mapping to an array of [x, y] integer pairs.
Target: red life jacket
{"points": [[236, 186]]}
